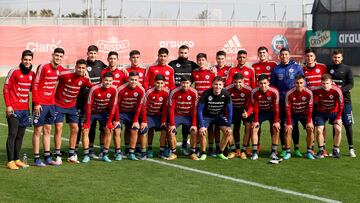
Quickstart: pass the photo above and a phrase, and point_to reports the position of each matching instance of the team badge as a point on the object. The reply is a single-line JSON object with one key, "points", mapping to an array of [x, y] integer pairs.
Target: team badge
{"points": [[88, 68], [317, 71], [189, 97], [167, 72], [30, 77], [331, 96], [232, 94], [267, 67], [178, 65], [108, 95], [210, 98], [294, 99], [141, 75], [303, 98], [156, 71], [197, 76], [21, 76], [226, 72], [242, 95], [136, 94], [160, 98], [332, 71], [80, 83], [57, 72], [99, 95], [279, 42], [69, 80], [117, 75], [291, 70], [269, 98], [246, 73], [207, 77]]}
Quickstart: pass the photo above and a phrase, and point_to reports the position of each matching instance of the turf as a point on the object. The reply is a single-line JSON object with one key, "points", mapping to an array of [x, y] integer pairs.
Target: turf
{"points": [[146, 181]]}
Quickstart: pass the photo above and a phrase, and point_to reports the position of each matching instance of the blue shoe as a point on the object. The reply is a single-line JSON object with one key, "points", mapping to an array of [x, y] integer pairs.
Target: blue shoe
{"points": [[167, 152], [106, 159], [132, 157], [150, 153], [320, 155], [336, 154], [143, 157], [287, 156], [39, 163], [162, 156], [309, 155], [86, 159], [118, 157], [212, 154], [184, 151], [49, 161]]}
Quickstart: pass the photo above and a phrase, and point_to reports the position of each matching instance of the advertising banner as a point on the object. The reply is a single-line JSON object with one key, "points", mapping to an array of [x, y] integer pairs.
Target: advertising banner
{"points": [[321, 38]]}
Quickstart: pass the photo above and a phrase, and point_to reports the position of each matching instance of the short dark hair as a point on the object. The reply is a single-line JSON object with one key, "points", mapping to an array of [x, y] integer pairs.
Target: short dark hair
{"points": [[284, 49], [238, 76], [163, 51], [93, 48], [309, 50], [218, 78], [185, 78], [133, 73], [108, 75], [242, 51], [220, 53], [262, 48], [159, 77], [201, 55], [337, 51], [113, 53], [81, 61], [263, 77], [134, 52], [27, 53], [59, 50], [183, 47], [326, 76], [298, 77]]}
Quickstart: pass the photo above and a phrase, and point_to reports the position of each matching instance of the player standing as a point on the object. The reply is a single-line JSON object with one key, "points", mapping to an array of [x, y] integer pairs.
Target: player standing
{"points": [[263, 66], [248, 73]]}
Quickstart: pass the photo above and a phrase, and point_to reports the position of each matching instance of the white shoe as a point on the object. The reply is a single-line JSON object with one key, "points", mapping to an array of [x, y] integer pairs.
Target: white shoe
{"points": [[352, 153], [254, 156], [58, 160], [73, 159], [93, 156]]}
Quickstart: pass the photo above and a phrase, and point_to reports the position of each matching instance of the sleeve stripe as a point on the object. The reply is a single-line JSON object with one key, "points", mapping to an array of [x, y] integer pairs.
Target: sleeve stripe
{"points": [[8, 77]]}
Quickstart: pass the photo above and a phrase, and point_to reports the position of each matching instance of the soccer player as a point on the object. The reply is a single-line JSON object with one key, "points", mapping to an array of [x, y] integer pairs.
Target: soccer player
{"points": [[263, 66], [161, 68], [43, 97], [134, 58], [299, 107], [16, 96], [130, 98], [202, 76], [94, 68], [265, 101], [342, 76], [221, 68], [215, 106], [101, 106], [119, 76], [67, 91], [248, 73], [242, 107], [182, 111], [283, 78], [182, 65], [329, 104], [155, 107]]}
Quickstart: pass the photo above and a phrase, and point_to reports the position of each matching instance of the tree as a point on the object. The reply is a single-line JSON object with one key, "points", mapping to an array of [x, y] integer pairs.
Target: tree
{"points": [[33, 13], [46, 13], [85, 13], [73, 15], [205, 14]]}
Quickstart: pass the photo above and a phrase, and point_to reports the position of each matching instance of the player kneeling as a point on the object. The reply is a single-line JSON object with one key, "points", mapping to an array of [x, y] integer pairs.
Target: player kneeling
{"points": [[215, 107], [101, 106], [299, 107], [182, 104]]}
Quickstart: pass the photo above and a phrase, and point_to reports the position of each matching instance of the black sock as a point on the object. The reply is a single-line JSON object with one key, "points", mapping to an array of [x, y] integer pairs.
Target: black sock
{"points": [[349, 135]]}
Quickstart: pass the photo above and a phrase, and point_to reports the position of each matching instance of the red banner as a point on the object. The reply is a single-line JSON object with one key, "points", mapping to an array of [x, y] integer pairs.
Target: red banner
{"points": [[42, 40]]}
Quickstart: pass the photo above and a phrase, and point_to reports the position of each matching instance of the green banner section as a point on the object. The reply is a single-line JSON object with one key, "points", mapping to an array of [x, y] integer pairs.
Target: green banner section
{"points": [[324, 38]]}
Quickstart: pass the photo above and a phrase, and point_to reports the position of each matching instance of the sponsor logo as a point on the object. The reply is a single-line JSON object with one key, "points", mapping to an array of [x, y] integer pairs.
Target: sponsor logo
{"points": [[43, 46], [113, 44], [279, 42], [176, 44], [320, 39], [233, 45]]}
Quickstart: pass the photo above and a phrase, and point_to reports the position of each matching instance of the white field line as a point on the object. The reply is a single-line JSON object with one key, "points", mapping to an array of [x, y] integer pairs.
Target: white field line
{"points": [[236, 180]]}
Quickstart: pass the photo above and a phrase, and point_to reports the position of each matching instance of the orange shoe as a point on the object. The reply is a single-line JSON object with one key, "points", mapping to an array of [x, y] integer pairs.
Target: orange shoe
{"points": [[11, 165], [194, 157], [237, 153], [248, 151], [21, 164], [231, 155], [325, 153]]}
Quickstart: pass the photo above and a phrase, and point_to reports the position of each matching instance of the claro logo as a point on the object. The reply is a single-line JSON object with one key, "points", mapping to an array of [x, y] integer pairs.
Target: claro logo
{"points": [[176, 44], [43, 47], [113, 44]]}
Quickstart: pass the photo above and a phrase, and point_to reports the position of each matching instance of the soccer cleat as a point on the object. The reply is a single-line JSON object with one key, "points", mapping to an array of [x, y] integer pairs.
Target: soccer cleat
{"points": [[320, 155], [86, 159], [58, 160], [237, 153], [336, 153], [282, 153], [212, 154], [150, 154], [100, 156], [325, 153], [352, 153], [118, 157], [243, 155], [231, 155], [184, 151], [73, 159], [248, 151], [297, 153], [49, 161], [125, 156], [21, 164], [309, 155], [194, 157], [106, 159], [11, 165], [287, 156], [143, 157], [172, 157], [39, 163], [167, 152], [93, 156], [132, 157], [275, 158], [203, 157], [255, 156], [222, 156], [162, 156]]}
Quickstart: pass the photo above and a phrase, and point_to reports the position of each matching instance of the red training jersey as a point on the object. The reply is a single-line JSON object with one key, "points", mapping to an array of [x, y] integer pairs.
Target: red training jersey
{"points": [[241, 98], [202, 79], [119, 76], [298, 103], [313, 75], [263, 68], [265, 102], [68, 88], [329, 101], [248, 73], [222, 72], [155, 104], [165, 70], [183, 103], [16, 89], [141, 71]]}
